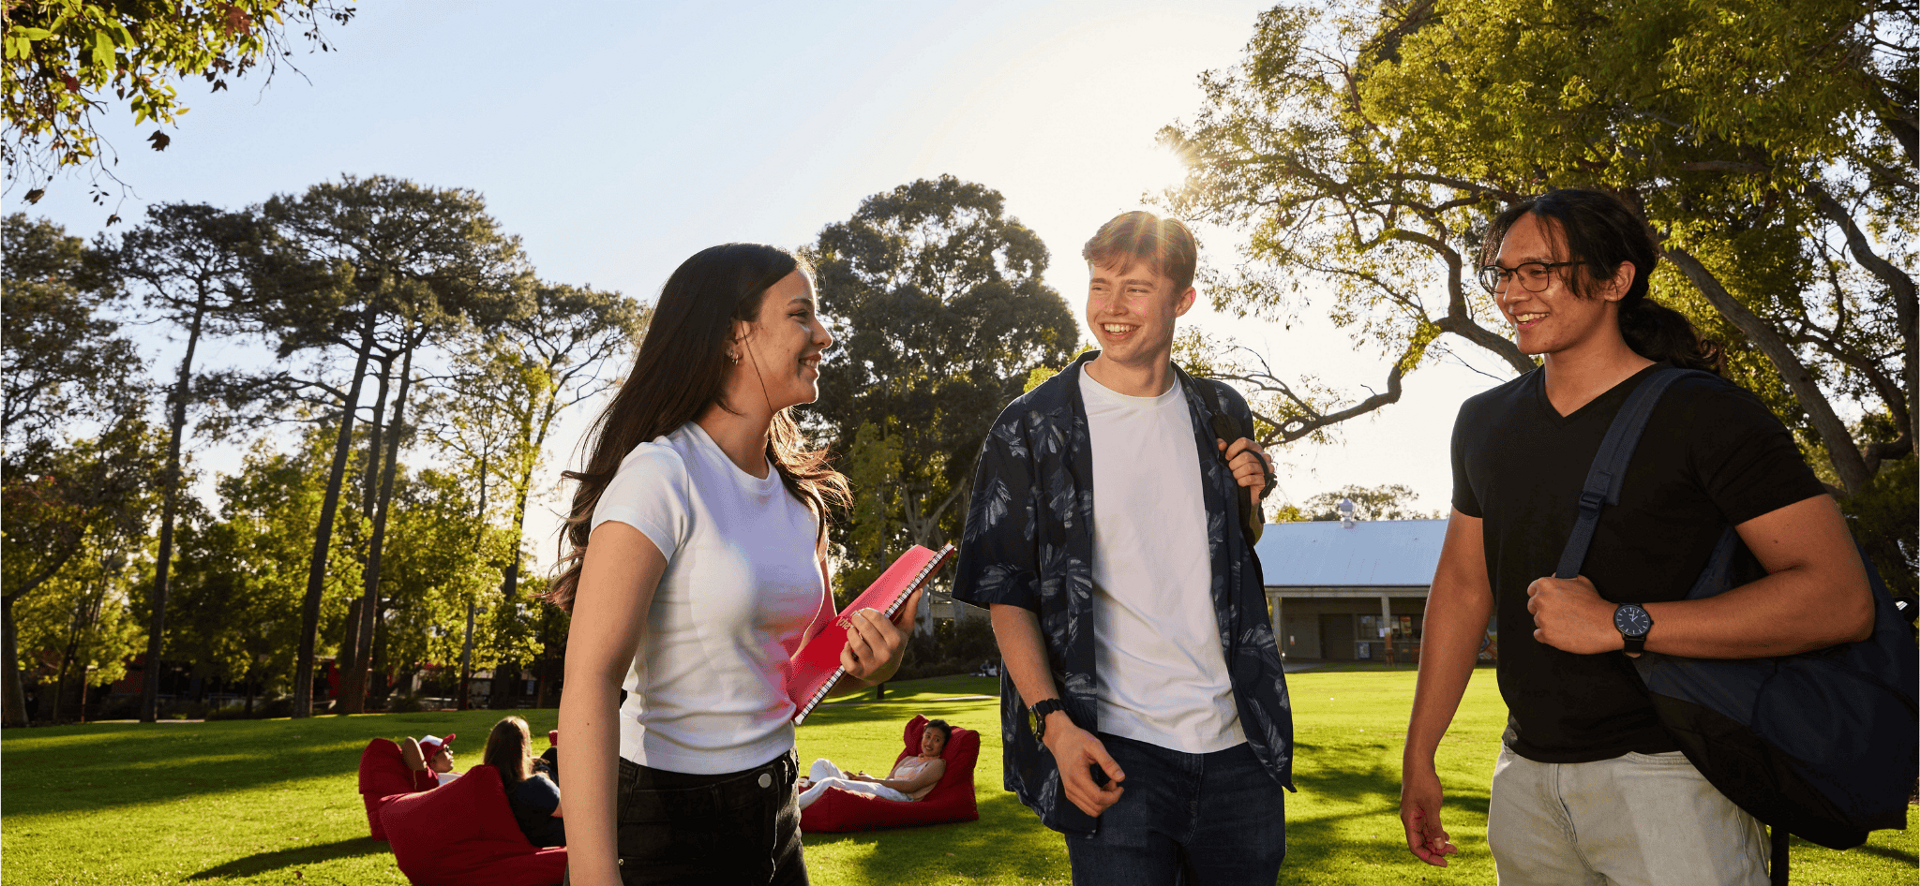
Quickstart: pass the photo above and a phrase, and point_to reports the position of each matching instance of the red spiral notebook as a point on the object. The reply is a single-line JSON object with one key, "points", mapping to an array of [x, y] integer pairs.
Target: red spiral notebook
{"points": [[816, 667]]}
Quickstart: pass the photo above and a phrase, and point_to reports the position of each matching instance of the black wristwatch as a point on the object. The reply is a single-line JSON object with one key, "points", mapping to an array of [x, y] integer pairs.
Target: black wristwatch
{"points": [[1633, 623], [1038, 716]]}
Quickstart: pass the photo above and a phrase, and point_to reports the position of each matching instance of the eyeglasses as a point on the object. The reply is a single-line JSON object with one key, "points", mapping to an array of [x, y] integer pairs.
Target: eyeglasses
{"points": [[1534, 275]]}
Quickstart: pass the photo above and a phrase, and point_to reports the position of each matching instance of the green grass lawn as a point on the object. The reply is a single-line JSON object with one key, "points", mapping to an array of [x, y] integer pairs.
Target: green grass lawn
{"points": [[275, 802]]}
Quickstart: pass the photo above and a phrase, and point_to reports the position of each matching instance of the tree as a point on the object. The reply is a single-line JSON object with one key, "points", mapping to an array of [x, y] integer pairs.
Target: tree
{"points": [[63, 56], [85, 615], [435, 573], [243, 572], [78, 456], [935, 299], [1391, 501], [1770, 147], [189, 262], [409, 263], [564, 351]]}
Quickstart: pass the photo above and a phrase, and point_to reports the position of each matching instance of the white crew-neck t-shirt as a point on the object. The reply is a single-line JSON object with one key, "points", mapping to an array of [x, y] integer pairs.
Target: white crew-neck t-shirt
{"points": [[1163, 676], [707, 692]]}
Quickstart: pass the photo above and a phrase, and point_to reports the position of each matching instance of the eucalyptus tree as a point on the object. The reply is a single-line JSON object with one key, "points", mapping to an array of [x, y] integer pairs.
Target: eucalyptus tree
{"points": [[77, 458], [1770, 147], [188, 266], [935, 298], [406, 264], [569, 348]]}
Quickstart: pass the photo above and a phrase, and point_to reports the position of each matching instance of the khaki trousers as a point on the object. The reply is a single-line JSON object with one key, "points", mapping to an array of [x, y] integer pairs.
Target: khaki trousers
{"points": [[1637, 820]]}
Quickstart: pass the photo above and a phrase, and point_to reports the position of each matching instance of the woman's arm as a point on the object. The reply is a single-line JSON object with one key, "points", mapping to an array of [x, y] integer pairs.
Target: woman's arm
{"points": [[618, 577], [927, 778]]}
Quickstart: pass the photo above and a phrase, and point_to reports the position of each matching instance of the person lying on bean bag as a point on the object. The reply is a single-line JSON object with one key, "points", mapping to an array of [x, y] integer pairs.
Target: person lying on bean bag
{"points": [[433, 754], [911, 779]]}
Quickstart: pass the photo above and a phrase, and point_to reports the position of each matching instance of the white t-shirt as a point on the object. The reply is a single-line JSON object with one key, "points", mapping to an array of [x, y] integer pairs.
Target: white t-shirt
{"points": [[707, 693], [1163, 675]]}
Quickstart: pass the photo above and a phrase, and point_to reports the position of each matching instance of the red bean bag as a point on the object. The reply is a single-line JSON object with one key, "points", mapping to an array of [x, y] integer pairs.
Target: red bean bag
{"points": [[384, 776], [950, 800], [463, 834]]}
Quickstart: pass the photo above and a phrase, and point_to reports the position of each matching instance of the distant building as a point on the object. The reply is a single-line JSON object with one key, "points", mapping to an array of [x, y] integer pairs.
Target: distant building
{"points": [[1341, 591]]}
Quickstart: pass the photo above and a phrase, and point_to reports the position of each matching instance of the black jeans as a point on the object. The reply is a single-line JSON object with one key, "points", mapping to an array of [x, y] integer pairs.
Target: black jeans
{"points": [[739, 827]]}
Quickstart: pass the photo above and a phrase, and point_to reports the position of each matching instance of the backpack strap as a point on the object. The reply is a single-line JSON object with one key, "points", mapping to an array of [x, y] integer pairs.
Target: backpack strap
{"points": [[1609, 469], [1224, 427]]}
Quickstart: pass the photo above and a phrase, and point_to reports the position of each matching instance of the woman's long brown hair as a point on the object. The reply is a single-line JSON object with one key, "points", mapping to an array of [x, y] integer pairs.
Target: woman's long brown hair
{"points": [[681, 370], [508, 751]]}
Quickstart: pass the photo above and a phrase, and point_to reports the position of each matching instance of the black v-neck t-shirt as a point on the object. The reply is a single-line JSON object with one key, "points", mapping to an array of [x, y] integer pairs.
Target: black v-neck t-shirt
{"points": [[1712, 456]]}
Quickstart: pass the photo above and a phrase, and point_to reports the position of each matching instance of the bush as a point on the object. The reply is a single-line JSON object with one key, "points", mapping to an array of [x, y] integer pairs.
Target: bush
{"points": [[399, 703], [124, 706], [187, 710], [279, 707], [230, 712], [956, 647]]}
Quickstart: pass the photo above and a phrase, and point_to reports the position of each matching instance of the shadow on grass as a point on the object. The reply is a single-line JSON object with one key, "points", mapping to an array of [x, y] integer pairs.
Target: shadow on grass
{"points": [[1902, 856], [101, 766], [302, 856], [1342, 788], [1008, 842]]}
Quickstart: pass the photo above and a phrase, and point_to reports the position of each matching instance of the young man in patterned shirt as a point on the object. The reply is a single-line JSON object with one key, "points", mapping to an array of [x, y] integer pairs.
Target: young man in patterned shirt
{"points": [[1142, 684]]}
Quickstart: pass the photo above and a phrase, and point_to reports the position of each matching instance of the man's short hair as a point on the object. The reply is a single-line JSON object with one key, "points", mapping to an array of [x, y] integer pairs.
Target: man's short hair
{"points": [[1164, 243]]}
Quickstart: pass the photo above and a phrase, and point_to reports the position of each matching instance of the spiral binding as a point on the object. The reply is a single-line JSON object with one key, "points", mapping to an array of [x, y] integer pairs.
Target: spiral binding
{"points": [[919, 578]]}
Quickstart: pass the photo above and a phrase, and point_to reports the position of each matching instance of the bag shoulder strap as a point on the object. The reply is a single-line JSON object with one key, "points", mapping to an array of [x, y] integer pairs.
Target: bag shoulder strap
{"points": [[1609, 469], [1224, 427]]}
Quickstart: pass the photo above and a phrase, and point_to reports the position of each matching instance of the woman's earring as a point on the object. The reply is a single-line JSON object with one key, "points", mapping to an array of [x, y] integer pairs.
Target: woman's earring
{"points": [[733, 357]]}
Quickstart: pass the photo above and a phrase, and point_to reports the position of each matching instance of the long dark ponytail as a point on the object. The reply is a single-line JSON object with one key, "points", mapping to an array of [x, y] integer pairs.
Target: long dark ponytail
{"points": [[1600, 232], [680, 370]]}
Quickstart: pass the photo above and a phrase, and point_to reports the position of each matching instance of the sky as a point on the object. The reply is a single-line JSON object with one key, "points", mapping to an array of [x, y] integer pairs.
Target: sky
{"points": [[616, 139]]}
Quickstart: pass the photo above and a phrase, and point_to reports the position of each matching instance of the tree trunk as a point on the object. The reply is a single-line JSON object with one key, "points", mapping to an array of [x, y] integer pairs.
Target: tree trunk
{"points": [[323, 532], [353, 656], [370, 608], [170, 491], [467, 642], [378, 678], [1841, 448], [351, 641]]}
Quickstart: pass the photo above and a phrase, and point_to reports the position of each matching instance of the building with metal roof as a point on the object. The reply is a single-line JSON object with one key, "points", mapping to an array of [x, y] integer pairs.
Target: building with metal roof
{"points": [[1350, 590]]}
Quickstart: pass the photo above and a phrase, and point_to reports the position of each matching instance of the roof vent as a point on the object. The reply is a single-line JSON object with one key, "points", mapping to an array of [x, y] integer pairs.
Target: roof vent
{"points": [[1345, 507]]}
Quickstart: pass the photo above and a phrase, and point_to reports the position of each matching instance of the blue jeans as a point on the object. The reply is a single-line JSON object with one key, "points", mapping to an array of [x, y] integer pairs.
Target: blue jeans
{"points": [[740, 827], [1201, 819]]}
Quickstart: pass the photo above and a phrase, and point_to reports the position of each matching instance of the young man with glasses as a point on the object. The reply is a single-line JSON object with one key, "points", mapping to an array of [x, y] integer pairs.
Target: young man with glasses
{"points": [[1143, 703], [1588, 788]]}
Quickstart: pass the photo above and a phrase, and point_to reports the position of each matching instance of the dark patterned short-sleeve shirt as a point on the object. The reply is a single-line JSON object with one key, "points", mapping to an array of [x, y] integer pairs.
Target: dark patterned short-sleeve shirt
{"points": [[1029, 543]]}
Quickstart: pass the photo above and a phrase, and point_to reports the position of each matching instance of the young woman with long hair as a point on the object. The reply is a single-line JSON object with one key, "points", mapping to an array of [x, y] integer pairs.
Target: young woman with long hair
{"points": [[533, 797], [696, 569]]}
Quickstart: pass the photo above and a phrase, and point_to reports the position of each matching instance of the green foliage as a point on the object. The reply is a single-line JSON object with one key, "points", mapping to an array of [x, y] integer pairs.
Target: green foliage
{"points": [[1886, 521], [241, 575], [1769, 146], [82, 620], [79, 459], [1391, 501], [63, 57], [433, 569], [935, 298], [954, 646], [66, 363], [872, 466]]}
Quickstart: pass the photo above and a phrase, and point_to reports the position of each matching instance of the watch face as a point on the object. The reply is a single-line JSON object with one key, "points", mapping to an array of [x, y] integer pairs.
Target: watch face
{"points": [[1632, 621]]}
